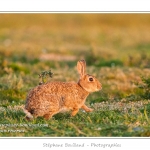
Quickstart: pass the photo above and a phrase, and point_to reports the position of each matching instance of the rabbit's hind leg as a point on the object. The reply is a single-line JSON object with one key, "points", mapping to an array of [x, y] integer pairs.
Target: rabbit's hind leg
{"points": [[49, 115]]}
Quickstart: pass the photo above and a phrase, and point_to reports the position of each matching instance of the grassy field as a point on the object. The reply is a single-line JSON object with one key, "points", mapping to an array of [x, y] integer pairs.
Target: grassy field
{"points": [[116, 48]]}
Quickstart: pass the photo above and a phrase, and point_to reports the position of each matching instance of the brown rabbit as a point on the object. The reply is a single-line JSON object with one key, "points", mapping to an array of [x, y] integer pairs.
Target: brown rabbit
{"points": [[53, 97]]}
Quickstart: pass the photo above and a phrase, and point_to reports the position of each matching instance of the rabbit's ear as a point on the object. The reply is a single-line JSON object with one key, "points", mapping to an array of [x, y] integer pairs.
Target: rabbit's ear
{"points": [[81, 66]]}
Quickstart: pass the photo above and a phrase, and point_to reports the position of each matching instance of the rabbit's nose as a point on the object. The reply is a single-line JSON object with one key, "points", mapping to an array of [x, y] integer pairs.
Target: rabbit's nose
{"points": [[99, 86]]}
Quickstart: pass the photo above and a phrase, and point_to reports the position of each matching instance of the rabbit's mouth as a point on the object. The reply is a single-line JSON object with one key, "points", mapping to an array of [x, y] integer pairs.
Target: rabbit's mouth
{"points": [[99, 87]]}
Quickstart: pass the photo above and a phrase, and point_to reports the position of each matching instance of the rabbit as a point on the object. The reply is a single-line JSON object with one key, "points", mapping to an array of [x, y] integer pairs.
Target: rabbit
{"points": [[51, 98]]}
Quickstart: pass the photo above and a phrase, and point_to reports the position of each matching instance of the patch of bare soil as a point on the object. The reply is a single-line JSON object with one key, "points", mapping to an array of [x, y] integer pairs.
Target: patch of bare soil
{"points": [[57, 57]]}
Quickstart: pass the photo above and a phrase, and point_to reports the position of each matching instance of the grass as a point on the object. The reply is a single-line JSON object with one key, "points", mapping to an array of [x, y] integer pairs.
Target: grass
{"points": [[116, 48]]}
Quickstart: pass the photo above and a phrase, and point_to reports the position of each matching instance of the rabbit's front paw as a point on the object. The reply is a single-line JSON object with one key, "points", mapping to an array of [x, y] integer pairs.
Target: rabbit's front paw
{"points": [[90, 110], [87, 109]]}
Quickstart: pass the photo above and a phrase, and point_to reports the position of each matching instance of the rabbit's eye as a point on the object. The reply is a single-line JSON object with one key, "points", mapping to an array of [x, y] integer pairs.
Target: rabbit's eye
{"points": [[90, 79]]}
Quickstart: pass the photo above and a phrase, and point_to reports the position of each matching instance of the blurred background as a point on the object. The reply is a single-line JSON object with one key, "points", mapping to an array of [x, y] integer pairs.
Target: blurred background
{"points": [[101, 39]]}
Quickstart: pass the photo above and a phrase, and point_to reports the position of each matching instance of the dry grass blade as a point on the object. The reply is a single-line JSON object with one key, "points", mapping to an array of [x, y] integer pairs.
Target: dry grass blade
{"points": [[76, 128]]}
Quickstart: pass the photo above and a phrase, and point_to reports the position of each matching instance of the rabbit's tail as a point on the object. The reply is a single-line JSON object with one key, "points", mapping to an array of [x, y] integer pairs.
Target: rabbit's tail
{"points": [[28, 114]]}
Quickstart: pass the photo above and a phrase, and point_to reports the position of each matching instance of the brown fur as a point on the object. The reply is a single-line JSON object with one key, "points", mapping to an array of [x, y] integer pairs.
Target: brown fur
{"points": [[53, 97]]}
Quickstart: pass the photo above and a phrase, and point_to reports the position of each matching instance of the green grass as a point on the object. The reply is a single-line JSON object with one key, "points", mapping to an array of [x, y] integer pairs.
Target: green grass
{"points": [[116, 49], [99, 123]]}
